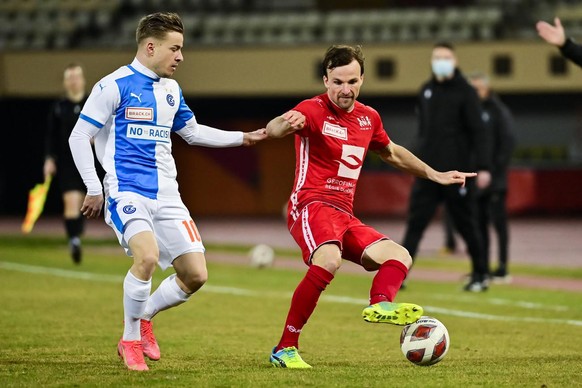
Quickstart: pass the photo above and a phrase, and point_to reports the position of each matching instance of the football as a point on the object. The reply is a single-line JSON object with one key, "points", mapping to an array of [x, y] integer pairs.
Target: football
{"points": [[261, 256], [425, 342]]}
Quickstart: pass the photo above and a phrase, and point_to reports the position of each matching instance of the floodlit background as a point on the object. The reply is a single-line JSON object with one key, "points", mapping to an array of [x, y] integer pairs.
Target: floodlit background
{"points": [[249, 60]]}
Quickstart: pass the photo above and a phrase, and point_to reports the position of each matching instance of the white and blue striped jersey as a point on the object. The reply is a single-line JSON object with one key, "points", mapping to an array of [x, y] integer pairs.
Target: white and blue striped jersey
{"points": [[134, 112]]}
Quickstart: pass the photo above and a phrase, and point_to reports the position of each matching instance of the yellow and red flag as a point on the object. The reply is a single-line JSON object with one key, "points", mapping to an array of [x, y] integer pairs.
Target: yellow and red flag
{"points": [[36, 200]]}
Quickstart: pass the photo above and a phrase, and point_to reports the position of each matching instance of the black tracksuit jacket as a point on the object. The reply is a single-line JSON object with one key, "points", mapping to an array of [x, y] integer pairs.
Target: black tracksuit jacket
{"points": [[572, 51], [499, 122], [452, 134]]}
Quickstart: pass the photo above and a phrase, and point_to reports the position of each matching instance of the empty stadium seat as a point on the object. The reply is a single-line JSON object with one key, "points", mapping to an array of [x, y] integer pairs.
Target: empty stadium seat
{"points": [[84, 23]]}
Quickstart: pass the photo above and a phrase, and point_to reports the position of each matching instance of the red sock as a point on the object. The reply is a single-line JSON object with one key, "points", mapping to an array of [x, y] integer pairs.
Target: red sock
{"points": [[303, 303], [387, 281]]}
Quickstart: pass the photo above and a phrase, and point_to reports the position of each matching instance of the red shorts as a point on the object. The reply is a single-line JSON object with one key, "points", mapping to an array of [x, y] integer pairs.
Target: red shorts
{"points": [[320, 223]]}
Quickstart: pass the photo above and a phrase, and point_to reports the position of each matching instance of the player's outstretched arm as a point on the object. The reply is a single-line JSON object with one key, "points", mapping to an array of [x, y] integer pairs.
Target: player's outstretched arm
{"points": [[252, 138], [206, 136], [285, 124], [405, 160], [553, 34]]}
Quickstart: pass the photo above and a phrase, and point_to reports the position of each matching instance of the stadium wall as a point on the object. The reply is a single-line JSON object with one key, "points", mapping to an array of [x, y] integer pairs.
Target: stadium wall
{"points": [[244, 88], [396, 69], [256, 181]]}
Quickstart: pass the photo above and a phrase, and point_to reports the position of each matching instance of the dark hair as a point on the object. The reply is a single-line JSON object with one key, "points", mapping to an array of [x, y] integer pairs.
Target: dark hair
{"points": [[73, 65], [444, 44], [341, 55], [157, 25], [478, 75]]}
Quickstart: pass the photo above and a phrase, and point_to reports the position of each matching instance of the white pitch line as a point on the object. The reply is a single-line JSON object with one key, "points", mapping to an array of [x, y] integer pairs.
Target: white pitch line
{"points": [[246, 292], [501, 302], [63, 273], [457, 313]]}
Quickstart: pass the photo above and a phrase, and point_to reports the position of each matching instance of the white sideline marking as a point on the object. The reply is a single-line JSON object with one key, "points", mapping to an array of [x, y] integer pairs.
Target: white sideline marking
{"points": [[501, 302], [65, 273]]}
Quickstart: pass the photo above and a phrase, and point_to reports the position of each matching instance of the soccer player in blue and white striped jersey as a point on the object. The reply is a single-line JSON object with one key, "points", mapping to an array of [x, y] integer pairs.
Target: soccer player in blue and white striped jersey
{"points": [[130, 114]]}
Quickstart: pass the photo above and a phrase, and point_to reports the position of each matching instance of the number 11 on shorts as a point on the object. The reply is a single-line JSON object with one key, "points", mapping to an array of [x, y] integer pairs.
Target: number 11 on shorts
{"points": [[192, 231]]}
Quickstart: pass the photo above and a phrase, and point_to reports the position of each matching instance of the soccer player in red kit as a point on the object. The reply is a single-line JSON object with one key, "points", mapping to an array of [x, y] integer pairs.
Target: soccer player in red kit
{"points": [[333, 132]]}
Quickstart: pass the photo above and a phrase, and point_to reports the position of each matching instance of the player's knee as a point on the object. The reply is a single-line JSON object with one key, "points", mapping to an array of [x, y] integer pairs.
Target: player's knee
{"points": [[335, 263], [195, 280], [327, 256], [330, 262], [402, 255], [147, 261]]}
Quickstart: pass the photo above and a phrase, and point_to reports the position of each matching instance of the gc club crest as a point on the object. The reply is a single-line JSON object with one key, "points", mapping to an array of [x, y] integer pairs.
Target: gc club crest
{"points": [[129, 209], [170, 100]]}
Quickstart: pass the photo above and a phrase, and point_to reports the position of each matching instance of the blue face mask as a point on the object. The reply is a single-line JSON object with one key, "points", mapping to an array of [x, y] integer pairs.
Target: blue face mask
{"points": [[443, 67]]}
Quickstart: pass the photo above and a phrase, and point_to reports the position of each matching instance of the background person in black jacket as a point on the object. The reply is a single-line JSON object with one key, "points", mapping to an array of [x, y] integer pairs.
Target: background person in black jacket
{"points": [[555, 34], [491, 200], [58, 159], [451, 136]]}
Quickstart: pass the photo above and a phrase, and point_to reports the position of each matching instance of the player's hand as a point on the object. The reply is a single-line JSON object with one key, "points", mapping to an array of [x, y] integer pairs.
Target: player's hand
{"points": [[483, 179], [92, 206], [252, 138], [49, 168], [295, 119], [552, 34], [452, 177]]}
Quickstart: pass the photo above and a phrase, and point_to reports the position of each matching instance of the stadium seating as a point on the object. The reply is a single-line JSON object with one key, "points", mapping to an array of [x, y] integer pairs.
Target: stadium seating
{"points": [[62, 24]]}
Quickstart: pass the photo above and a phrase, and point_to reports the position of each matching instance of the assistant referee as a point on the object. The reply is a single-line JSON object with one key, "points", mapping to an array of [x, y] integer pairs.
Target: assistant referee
{"points": [[58, 159]]}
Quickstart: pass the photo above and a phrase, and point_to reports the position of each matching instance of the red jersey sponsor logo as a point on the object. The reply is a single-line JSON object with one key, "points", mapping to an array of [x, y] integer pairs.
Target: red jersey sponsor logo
{"points": [[351, 162], [335, 130]]}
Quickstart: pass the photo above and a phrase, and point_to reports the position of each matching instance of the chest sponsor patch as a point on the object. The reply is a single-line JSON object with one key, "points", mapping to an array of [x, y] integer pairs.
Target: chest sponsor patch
{"points": [[334, 130], [139, 114], [351, 162], [148, 132]]}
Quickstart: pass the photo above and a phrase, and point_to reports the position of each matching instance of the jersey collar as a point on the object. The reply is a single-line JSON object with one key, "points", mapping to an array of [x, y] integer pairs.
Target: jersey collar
{"points": [[136, 65]]}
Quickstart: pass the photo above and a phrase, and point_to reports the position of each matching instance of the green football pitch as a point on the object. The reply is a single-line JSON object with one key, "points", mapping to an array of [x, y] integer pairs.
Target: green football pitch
{"points": [[59, 326]]}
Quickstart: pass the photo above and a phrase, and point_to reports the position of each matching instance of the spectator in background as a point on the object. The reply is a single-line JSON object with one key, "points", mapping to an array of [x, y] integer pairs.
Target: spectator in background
{"points": [[491, 200], [555, 34], [450, 243], [451, 136], [58, 159]]}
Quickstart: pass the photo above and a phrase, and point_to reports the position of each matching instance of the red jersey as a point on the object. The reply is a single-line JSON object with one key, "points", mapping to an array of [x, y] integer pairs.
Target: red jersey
{"points": [[330, 150]]}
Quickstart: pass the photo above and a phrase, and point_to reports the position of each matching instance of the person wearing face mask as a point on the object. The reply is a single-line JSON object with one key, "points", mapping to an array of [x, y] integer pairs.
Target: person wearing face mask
{"points": [[451, 135]]}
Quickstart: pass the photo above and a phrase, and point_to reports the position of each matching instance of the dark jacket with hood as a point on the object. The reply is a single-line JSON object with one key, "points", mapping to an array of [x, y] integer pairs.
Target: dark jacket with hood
{"points": [[499, 123], [572, 51], [452, 134]]}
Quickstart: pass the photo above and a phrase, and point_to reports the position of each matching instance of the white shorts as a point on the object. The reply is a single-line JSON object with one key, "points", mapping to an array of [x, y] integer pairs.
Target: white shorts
{"points": [[175, 231]]}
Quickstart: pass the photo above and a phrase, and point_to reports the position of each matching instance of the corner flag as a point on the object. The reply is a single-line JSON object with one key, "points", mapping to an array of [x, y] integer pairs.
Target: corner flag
{"points": [[36, 200]]}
